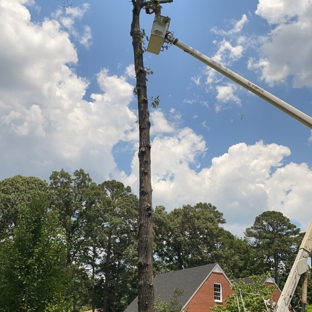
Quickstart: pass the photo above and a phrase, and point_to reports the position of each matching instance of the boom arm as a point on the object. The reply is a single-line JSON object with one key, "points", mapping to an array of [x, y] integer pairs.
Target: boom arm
{"points": [[285, 107], [299, 267]]}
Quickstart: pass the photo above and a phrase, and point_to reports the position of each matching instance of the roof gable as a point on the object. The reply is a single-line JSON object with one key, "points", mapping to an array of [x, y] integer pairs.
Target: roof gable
{"points": [[216, 269]]}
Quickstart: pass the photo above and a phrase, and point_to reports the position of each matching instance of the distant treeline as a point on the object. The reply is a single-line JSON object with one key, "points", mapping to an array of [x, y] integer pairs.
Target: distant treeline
{"points": [[72, 243]]}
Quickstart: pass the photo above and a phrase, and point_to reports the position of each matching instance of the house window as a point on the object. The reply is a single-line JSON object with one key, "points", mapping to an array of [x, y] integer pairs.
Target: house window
{"points": [[217, 292]]}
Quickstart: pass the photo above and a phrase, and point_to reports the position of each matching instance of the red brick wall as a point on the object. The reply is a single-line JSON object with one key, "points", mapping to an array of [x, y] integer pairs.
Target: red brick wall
{"points": [[276, 292], [204, 298]]}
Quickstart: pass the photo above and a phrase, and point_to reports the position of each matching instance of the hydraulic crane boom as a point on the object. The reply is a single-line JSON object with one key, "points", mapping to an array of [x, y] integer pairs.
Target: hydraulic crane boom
{"points": [[160, 34], [288, 109], [299, 268]]}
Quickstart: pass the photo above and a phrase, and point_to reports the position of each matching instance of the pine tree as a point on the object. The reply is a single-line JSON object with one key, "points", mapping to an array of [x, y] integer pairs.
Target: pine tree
{"points": [[273, 237]]}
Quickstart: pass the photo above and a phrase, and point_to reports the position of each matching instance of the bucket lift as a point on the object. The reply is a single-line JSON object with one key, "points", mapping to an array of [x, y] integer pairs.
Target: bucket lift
{"points": [[159, 31]]}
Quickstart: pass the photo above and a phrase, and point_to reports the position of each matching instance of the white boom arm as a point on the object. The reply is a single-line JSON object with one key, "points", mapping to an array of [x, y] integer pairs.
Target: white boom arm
{"points": [[285, 107], [299, 267]]}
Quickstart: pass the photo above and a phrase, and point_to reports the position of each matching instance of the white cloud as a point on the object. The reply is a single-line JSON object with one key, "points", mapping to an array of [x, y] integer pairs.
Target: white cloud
{"points": [[229, 51], [286, 51], [121, 90], [77, 12], [281, 11], [213, 77], [289, 191], [175, 115], [44, 119], [274, 72], [67, 20], [240, 24], [32, 121], [242, 183], [237, 28], [159, 123], [130, 71], [204, 124], [226, 94], [189, 101], [173, 152], [86, 38], [196, 80]]}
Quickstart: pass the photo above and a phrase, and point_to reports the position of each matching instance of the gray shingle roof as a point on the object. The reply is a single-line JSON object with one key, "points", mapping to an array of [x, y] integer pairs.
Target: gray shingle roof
{"points": [[188, 279], [248, 280]]}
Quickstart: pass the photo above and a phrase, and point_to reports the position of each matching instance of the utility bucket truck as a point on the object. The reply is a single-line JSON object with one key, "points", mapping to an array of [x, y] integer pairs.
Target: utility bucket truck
{"points": [[160, 36]]}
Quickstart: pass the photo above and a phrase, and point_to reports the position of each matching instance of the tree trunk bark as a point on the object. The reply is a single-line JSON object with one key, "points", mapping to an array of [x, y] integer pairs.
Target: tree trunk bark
{"points": [[145, 241], [93, 280], [107, 275], [276, 263], [117, 279]]}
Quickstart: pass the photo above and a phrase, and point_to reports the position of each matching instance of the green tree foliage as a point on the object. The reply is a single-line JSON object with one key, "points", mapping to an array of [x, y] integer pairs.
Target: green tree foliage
{"points": [[274, 240], [188, 236], [70, 194], [173, 305], [94, 220], [14, 193], [309, 294], [309, 308], [100, 225], [96, 227], [33, 274], [233, 254], [120, 230], [251, 296], [192, 236]]}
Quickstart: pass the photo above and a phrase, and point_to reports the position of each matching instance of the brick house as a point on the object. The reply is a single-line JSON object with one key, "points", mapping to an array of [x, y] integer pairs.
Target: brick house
{"points": [[203, 287]]}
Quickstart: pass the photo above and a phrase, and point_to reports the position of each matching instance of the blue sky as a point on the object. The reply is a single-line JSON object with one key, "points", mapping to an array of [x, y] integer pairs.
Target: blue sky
{"points": [[66, 101]]}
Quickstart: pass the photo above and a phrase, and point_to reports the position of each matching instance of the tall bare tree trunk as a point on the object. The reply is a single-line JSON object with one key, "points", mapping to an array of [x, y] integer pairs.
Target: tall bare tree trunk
{"points": [[145, 243]]}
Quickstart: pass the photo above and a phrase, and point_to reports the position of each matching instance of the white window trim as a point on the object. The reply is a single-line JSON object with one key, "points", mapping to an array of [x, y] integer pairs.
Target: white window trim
{"points": [[216, 300]]}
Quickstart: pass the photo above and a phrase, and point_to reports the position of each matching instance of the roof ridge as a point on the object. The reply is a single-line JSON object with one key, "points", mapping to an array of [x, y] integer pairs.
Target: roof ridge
{"points": [[185, 269]]}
